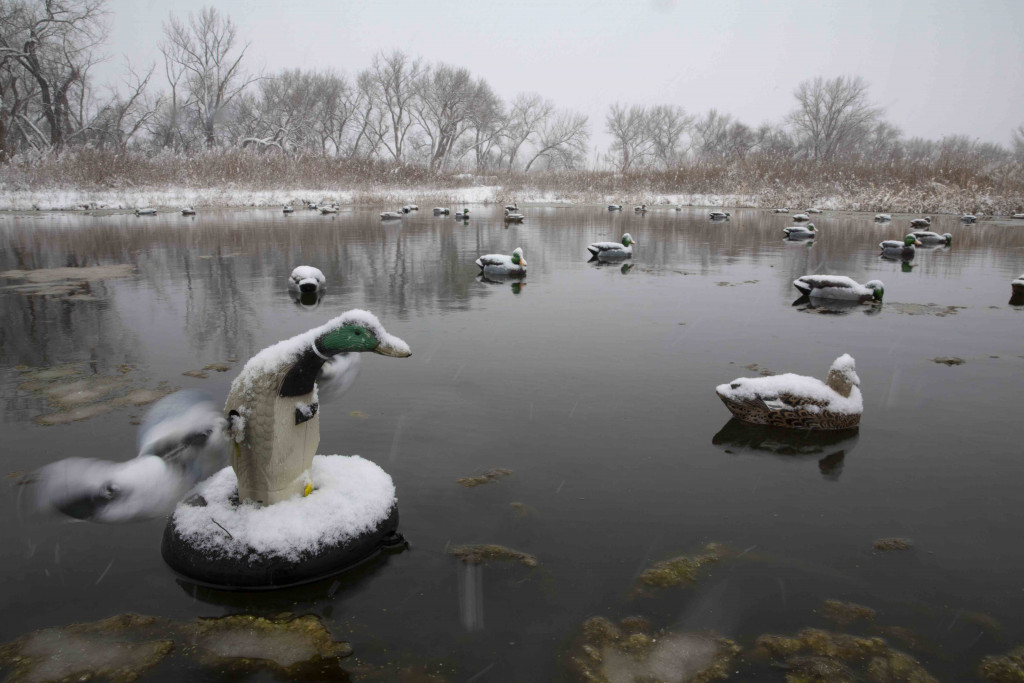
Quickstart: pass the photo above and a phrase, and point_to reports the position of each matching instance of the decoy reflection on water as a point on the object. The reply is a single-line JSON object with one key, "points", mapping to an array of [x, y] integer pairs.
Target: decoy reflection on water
{"points": [[830, 447], [821, 306], [515, 280]]}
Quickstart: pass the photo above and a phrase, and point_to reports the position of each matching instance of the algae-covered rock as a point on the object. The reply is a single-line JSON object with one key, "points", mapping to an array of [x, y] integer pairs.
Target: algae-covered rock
{"points": [[1008, 668], [889, 544], [283, 644], [112, 649], [817, 655], [843, 613], [682, 569], [478, 554], [485, 478], [632, 651]]}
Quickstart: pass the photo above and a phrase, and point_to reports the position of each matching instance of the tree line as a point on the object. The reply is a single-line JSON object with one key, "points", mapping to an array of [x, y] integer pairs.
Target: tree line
{"points": [[401, 109]]}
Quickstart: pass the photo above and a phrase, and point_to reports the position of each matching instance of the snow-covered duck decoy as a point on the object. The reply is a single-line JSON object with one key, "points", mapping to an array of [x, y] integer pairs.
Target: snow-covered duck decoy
{"points": [[513, 207], [782, 210], [927, 237], [188, 211], [897, 249], [839, 287], [615, 207], [613, 250], [798, 402], [328, 209], [500, 264], [306, 286], [719, 215], [800, 218], [462, 215], [882, 218], [921, 222], [145, 211], [800, 232], [441, 211], [968, 218], [391, 215], [513, 217], [288, 208], [813, 209], [640, 209]]}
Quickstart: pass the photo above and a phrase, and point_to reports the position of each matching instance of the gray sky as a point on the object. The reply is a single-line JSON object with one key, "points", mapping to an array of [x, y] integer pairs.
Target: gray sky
{"points": [[937, 67]]}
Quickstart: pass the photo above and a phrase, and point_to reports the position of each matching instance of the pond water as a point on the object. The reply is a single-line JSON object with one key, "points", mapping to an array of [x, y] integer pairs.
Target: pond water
{"points": [[594, 384]]}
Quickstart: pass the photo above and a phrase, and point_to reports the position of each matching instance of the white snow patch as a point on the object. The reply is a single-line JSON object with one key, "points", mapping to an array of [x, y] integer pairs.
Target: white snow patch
{"points": [[351, 496], [301, 273]]}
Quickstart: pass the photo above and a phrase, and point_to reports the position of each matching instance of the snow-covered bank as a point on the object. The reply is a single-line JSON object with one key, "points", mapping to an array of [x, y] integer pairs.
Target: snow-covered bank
{"points": [[934, 199]]}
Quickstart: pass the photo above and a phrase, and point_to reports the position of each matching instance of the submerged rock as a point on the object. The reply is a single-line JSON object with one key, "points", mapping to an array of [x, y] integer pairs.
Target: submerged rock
{"points": [[1008, 668], [683, 569], [285, 644], [485, 478], [889, 544], [632, 651], [478, 554], [843, 613], [817, 655], [111, 649]]}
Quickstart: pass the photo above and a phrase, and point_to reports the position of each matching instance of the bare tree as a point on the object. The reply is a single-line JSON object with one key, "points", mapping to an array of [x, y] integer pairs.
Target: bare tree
{"points": [[1018, 143], [205, 51], [394, 79], [488, 120], [443, 107], [833, 116], [529, 113], [125, 113], [54, 42], [631, 139], [562, 140], [665, 127], [710, 136]]}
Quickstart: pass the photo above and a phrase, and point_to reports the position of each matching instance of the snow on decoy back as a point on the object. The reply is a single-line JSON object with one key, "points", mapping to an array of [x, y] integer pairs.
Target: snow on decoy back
{"points": [[182, 441], [796, 401], [500, 264], [839, 287], [623, 249]]}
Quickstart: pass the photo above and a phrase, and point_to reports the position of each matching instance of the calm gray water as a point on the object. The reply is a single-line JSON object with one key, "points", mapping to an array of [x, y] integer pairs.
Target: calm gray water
{"points": [[595, 386]]}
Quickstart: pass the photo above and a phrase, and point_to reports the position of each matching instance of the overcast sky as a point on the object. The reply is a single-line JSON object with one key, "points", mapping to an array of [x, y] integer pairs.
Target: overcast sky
{"points": [[937, 67]]}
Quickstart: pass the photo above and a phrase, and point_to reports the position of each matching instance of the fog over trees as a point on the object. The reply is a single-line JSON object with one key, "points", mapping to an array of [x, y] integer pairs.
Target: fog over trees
{"points": [[205, 94]]}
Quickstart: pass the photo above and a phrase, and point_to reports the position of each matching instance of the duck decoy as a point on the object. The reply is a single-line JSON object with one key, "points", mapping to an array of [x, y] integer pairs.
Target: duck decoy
{"points": [[623, 249], [511, 217], [921, 222], [500, 264], [898, 249], [932, 238], [800, 232], [796, 401], [839, 287]]}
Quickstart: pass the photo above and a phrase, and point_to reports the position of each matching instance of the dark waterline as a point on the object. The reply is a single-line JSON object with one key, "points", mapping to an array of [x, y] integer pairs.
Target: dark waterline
{"points": [[594, 384]]}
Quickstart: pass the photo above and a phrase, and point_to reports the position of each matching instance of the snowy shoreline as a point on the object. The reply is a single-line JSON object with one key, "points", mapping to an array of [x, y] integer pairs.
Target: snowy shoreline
{"points": [[173, 198]]}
